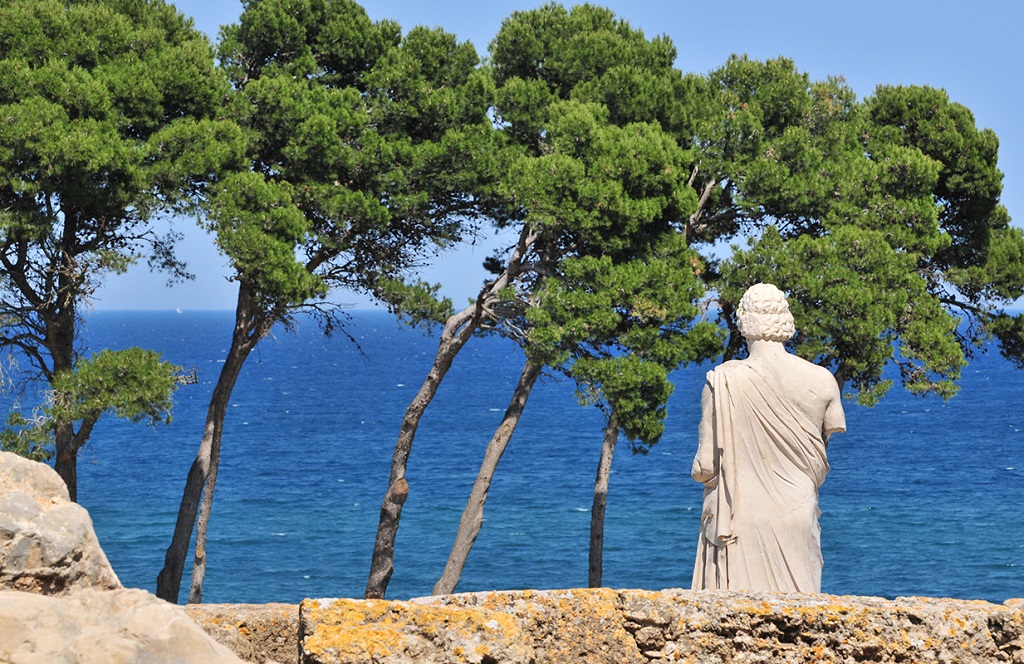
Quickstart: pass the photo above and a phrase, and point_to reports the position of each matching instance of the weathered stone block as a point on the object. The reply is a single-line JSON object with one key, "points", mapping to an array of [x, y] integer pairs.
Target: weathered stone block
{"points": [[264, 633], [625, 626]]}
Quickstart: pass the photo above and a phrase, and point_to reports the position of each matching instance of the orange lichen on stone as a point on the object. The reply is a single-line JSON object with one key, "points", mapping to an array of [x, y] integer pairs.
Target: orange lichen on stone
{"points": [[638, 627], [352, 627], [353, 630]]}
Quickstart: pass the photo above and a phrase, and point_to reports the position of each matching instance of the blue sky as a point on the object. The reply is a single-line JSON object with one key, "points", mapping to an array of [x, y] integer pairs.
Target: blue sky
{"points": [[973, 50]]}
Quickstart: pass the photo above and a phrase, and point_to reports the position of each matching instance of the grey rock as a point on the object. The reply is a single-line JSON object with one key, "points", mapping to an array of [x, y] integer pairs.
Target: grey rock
{"points": [[60, 601], [47, 542], [124, 626]]}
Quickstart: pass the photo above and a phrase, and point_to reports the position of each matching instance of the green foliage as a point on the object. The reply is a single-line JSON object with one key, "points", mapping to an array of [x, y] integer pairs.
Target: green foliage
{"points": [[30, 438], [602, 182], [94, 93], [635, 390], [331, 40], [774, 146], [585, 54], [618, 329], [969, 183], [259, 227], [858, 305], [999, 275], [133, 384], [604, 189], [112, 122], [642, 306], [1010, 332], [416, 303], [881, 220], [565, 48], [367, 151], [110, 118]]}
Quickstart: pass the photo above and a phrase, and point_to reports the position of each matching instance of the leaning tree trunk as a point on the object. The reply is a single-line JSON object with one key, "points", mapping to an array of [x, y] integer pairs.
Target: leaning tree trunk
{"points": [[247, 332], [473, 515], [458, 330], [195, 594], [604, 469]]}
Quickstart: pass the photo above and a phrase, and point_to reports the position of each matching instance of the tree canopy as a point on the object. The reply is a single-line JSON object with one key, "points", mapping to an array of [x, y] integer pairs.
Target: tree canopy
{"points": [[363, 147], [880, 218], [599, 185], [594, 108], [110, 126]]}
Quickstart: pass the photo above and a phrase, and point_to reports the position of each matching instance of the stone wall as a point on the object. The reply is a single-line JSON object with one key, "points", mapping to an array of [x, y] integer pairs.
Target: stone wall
{"points": [[626, 626]]}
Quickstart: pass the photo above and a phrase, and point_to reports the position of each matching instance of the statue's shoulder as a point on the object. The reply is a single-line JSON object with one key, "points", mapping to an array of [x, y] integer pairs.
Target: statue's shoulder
{"points": [[814, 371], [725, 368]]}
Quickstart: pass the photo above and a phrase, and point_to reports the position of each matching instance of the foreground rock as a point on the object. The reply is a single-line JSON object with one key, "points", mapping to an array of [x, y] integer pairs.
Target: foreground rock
{"points": [[101, 627], [60, 601], [47, 543], [625, 626]]}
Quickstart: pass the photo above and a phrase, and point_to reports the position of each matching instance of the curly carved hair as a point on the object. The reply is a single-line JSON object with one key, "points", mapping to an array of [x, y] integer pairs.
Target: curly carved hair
{"points": [[764, 314]]}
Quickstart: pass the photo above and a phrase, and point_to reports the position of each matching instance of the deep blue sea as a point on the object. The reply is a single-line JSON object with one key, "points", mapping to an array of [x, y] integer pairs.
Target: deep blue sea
{"points": [[925, 497]]}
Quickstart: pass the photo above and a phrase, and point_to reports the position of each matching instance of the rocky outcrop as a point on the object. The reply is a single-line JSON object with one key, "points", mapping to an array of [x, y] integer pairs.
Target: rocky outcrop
{"points": [[47, 543], [627, 626], [102, 627], [60, 601]]}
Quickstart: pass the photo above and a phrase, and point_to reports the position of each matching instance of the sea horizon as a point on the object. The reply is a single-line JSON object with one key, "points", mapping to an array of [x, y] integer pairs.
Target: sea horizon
{"points": [[917, 487]]}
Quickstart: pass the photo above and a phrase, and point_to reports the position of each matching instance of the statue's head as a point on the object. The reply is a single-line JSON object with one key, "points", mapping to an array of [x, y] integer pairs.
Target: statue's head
{"points": [[764, 314]]}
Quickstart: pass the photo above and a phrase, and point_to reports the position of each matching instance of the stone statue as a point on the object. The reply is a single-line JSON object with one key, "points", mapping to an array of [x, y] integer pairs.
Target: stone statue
{"points": [[765, 424]]}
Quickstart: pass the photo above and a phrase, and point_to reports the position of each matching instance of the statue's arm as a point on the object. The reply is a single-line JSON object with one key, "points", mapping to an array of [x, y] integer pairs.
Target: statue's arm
{"points": [[704, 462], [835, 417]]}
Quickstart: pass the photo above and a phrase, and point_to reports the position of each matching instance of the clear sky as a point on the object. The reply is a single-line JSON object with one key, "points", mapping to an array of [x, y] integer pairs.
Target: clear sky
{"points": [[972, 49]]}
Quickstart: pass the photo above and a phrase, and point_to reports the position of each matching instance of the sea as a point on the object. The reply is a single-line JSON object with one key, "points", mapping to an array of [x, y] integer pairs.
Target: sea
{"points": [[925, 497]]}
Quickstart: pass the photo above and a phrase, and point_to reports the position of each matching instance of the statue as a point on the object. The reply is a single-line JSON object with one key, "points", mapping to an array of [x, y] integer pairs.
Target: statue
{"points": [[765, 424]]}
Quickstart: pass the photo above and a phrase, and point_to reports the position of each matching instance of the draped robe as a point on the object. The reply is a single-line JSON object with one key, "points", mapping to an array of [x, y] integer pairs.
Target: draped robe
{"points": [[759, 525]]}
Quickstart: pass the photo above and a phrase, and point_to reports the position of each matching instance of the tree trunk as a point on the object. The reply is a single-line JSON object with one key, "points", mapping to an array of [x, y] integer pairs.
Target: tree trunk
{"points": [[66, 460], [249, 329], [458, 330], [604, 470], [168, 581], [67, 443], [840, 375], [60, 323], [735, 341], [195, 594], [473, 516]]}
